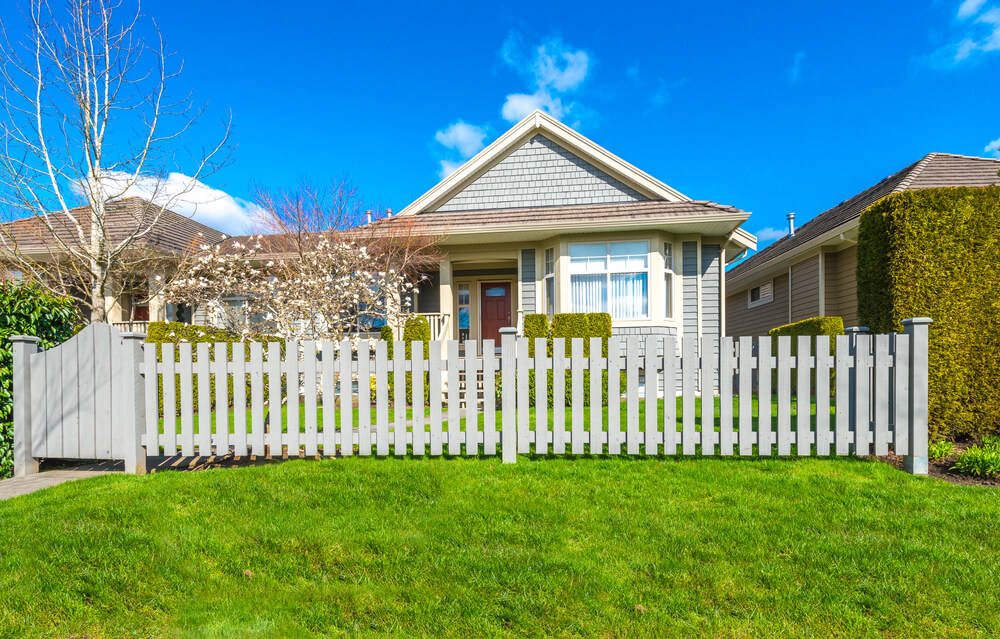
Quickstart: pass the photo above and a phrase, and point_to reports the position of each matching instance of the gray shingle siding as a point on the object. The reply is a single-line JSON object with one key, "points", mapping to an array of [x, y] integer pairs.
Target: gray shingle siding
{"points": [[689, 294], [711, 308], [540, 173], [528, 280]]}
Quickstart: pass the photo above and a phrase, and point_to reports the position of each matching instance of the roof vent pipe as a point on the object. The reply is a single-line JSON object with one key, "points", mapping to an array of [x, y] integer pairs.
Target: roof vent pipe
{"points": [[369, 214], [791, 224]]}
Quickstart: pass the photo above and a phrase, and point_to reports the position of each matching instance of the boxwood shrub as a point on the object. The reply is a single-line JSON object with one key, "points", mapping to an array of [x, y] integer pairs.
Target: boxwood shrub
{"points": [[936, 253], [415, 329], [26, 309]]}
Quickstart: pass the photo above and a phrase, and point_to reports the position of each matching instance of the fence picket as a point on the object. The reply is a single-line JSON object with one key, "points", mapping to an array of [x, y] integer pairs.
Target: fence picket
{"points": [[577, 399], [292, 397], [862, 379], [187, 399], [239, 400], [69, 394], [434, 391], [632, 395], [596, 427], [746, 434], [204, 401], [765, 417], [651, 378], [559, 435], [508, 392], [274, 420], [824, 437], [221, 398], [417, 419], [399, 400], [489, 398], [615, 435], [89, 430], [345, 383], [382, 400], [152, 405], [689, 379], [709, 351], [256, 398], [542, 433], [784, 395], [843, 405], [309, 407], [669, 395], [364, 402], [726, 439], [471, 399], [328, 366], [803, 371], [881, 395], [901, 417], [454, 412], [524, 434]]}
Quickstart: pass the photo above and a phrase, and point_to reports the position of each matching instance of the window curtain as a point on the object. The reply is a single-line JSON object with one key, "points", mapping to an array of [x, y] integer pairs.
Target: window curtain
{"points": [[589, 293], [628, 295]]}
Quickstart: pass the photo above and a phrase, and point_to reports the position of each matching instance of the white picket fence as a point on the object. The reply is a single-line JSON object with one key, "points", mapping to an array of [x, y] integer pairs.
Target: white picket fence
{"points": [[867, 397]]}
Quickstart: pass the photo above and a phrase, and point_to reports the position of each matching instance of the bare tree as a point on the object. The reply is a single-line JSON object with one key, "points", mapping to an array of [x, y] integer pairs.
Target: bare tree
{"points": [[320, 272], [88, 120]]}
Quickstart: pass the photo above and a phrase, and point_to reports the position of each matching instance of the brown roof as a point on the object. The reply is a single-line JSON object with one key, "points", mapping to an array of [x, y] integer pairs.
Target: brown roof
{"points": [[934, 170], [436, 223], [172, 233]]}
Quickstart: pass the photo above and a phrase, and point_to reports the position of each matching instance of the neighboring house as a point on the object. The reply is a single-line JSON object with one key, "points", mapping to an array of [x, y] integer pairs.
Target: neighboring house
{"points": [[812, 272], [543, 220], [162, 246]]}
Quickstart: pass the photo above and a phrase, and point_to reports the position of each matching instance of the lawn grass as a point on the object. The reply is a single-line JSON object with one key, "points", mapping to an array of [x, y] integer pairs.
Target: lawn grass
{"points": [[471, 547]]}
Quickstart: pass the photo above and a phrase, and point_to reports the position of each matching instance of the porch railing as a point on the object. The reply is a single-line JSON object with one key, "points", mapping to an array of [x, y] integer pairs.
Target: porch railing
{"points": [[140, 326], [439, 324]]}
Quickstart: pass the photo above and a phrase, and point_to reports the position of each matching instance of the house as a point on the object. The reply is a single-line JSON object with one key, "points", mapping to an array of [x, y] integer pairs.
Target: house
{"points": [[544, 220], [161, 237], [812, 271]]}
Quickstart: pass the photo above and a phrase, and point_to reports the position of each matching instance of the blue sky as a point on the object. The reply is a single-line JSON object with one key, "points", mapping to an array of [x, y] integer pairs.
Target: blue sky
{"points": [[788, 108]]}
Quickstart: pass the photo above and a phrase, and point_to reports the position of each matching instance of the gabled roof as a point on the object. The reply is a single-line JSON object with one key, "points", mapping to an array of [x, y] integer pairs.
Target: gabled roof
{"points": [[542, 123], [173, 233], [932, 171]]}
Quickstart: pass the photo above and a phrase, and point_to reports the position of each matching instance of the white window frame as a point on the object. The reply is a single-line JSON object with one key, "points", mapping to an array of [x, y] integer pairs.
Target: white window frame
{"points": [[549, 269], [668, 279], [609, 271], [764, 299]]}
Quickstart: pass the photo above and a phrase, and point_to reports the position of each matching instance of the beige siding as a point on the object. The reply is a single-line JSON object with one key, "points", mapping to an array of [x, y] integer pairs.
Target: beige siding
{"points": [[841, 285], [805, 289], [741, 320]]}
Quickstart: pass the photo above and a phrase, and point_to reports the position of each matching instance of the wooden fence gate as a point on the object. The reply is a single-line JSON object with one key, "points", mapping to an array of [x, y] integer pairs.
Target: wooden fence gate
{"points": [[106, 395]]}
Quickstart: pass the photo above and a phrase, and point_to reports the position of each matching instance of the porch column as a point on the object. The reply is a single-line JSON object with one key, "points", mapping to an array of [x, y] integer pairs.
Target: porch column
{"points": [[446, 299], [157, 303]]}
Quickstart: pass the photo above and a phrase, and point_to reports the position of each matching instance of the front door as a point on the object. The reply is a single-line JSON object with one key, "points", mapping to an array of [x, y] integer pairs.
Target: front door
{"points": [[495, 309]]}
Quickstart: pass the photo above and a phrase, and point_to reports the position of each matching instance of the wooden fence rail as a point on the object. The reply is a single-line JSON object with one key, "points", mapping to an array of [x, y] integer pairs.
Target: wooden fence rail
{"points": [[660, 396]]}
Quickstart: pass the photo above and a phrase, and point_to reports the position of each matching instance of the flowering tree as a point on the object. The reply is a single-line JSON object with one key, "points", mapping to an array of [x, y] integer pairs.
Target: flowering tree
{"points": [[317, 275]]}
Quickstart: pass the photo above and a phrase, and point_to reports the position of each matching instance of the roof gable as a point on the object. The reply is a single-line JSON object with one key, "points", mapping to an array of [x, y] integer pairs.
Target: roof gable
{"points": [[562, 152]]}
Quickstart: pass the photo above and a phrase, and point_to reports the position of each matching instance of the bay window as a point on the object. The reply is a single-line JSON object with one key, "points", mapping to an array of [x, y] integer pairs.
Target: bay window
{"points": [[610, 277]]}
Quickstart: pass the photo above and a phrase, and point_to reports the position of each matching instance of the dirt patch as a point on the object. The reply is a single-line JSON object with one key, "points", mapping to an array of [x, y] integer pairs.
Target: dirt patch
{"points": [[942, 469]]}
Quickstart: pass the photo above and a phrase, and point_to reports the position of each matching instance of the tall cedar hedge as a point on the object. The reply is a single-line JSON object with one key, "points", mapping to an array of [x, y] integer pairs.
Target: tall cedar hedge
{"points": [[936, 253], [568, 326], [25, 309]]}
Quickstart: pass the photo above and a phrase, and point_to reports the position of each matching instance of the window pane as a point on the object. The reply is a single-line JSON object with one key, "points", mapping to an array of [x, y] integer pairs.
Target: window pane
{"points": [[588, 293], [628, 295], [629, 248], [550, 296], [550, 261], [463, 294], [668, 256], [496, 291], [463, 317], [755, 294], [668, 285], [588, 250]]}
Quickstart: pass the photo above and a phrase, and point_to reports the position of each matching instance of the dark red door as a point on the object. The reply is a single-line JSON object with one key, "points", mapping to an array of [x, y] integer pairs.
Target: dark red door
{"points": [[495, 309]]}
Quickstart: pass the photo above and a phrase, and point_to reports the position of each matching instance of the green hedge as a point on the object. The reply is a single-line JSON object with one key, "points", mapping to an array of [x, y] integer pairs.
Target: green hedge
{"points": [[160, 333], [831, 326], [936, 253], [26, 309]]}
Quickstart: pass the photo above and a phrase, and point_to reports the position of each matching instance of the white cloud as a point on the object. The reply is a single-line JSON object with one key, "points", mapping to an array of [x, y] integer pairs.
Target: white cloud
{"points": [[795, 71], [466, 138], [769, 234], [970, 8], [993, 147], [190, 197], [447, 168], [553, 69]]}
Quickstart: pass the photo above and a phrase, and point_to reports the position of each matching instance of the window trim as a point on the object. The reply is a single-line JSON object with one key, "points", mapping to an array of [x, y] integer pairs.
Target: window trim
{"points": [[668, 281], [608, 272], [547, 276], [763, 299]]}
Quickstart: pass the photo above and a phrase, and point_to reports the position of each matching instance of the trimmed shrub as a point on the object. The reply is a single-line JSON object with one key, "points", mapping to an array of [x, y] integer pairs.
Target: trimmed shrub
{"points": [[585, 325], [416, 329], [26, 309], [831, 326], [537, 325], [936, 253]]}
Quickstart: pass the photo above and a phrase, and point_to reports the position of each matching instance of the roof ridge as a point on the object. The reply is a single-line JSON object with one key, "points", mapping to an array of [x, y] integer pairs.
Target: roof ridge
{"points": [[913, 171]]}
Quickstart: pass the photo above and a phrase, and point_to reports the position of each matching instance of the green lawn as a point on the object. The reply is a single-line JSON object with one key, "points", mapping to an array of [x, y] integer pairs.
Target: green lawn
{"points": [[470, 547]]}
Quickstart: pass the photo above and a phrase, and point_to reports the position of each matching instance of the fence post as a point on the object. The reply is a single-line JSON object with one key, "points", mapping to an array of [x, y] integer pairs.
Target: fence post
{"points": [[508, 394], [134, 413], [918, 328], [23, 348]]}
